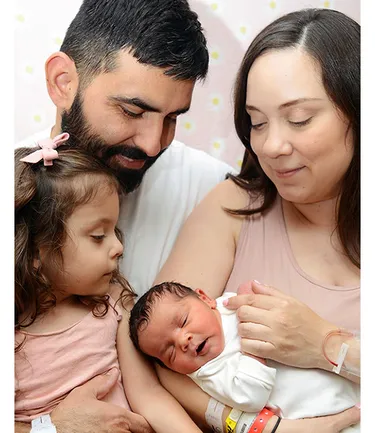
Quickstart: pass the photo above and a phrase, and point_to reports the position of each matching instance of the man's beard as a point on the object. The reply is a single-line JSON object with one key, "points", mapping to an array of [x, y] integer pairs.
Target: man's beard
{"points": [[75, 123]]}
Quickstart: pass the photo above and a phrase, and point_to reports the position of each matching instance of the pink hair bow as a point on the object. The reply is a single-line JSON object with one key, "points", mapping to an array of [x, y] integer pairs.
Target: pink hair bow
{"points": [[47, 150]]}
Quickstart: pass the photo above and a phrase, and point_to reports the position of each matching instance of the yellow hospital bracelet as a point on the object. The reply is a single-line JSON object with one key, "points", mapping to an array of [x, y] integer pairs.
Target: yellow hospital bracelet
{"points": [[232, 419]]}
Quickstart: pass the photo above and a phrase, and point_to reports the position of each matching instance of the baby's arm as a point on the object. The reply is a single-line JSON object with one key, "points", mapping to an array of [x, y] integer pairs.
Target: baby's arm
{"points": [[145, 393], [240, 381]]}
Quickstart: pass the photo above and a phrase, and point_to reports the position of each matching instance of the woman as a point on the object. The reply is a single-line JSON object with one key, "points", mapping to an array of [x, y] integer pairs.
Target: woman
{"points": [[291, 217]]}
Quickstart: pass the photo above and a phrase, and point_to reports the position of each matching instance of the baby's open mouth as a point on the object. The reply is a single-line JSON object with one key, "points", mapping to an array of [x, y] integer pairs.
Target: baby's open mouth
{"points": [[201, 346]]}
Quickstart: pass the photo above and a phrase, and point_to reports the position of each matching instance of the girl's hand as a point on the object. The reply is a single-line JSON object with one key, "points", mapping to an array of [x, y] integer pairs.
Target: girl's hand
{"points": [[279, 327]]}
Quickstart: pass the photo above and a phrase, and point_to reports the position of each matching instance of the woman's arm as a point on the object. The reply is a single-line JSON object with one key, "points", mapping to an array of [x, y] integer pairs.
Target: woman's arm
{"points": [[195, 402], [279, 327], [203, 254], [145, 393]]}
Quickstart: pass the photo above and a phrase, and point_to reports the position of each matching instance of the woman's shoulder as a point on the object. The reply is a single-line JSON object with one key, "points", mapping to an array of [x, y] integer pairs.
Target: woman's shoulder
{"points": [[229, 195]]}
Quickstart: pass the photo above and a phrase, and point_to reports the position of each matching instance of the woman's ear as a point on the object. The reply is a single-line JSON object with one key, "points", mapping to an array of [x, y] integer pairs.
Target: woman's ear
{"points": [[205, 298], [62, 80]]}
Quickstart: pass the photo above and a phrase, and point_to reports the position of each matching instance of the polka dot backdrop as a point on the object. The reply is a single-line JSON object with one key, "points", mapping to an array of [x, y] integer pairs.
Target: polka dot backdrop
{"points": [[229, 25]]}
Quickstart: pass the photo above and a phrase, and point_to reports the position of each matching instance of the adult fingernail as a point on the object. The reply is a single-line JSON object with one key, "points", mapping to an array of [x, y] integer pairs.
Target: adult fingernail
{"points": [[225, 302], [358, 405], [256, 281]]}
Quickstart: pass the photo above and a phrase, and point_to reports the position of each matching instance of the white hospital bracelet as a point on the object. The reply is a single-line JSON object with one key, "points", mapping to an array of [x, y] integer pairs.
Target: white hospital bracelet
{"points": [[42, 424], [341, 357], [214, 414], [245, 422]]}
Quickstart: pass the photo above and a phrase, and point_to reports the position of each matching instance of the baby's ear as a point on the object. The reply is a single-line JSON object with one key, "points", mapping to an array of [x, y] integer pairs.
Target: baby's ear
{"points": [[205, 298]]}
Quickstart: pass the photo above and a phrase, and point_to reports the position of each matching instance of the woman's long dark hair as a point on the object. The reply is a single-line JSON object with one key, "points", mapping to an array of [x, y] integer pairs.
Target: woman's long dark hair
{"points": [[333, 40]]}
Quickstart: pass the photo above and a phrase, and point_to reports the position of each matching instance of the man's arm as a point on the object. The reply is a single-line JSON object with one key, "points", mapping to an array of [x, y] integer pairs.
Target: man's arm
{"points": [[83, 412]]}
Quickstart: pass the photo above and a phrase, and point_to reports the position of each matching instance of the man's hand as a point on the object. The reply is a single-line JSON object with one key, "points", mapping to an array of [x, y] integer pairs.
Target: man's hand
{"points": [[83, 412]]}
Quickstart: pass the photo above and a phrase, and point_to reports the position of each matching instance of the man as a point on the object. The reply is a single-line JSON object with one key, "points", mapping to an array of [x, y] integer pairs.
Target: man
{"points": [[125, 72]]}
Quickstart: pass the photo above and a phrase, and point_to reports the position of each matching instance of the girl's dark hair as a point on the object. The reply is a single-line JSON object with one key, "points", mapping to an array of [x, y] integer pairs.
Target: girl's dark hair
{"points": [[332, 39], [44, 198]]}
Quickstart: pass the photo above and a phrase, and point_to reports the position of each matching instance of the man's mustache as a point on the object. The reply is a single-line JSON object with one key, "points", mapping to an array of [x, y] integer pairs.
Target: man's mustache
{"points": [[108, 151]]}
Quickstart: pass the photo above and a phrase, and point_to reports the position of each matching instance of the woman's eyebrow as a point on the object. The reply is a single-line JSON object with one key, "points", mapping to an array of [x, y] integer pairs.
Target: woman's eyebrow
{"points": [[286, 104]]}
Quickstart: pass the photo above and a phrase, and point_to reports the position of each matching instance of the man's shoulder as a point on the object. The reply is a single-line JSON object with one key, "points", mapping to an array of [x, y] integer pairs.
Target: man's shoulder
{"points": [[188, 158], [178, 149]]}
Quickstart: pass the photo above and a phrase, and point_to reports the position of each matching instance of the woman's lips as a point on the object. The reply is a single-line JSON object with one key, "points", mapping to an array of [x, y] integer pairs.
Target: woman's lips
{"points": [[288, 173]]}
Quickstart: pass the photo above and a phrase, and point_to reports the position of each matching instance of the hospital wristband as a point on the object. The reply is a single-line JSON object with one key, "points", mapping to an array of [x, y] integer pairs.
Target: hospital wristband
{"points": [[261, 421], [343, 350], [42, 424], [214, 414], [232, 419], [276, 425], [245, 422]]}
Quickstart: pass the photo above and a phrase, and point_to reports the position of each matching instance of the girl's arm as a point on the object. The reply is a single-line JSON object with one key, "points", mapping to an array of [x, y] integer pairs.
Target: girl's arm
{"points": [[145, 393]]}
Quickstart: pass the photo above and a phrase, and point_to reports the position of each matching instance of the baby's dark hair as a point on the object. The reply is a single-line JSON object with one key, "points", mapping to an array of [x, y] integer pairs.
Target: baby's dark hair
{"points": [[45, 197], [141, 312]]}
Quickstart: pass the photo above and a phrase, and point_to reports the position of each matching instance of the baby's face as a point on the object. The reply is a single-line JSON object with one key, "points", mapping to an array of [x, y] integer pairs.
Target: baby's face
{"points": [[183, 333]]}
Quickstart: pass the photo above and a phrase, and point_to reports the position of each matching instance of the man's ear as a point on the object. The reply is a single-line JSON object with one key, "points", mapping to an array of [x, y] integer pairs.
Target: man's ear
{"points": [[205, 298], [62, 79]]}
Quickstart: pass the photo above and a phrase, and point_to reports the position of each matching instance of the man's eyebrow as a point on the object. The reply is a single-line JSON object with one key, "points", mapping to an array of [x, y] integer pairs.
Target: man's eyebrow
{"points": [[143, 105], [287, 104]]}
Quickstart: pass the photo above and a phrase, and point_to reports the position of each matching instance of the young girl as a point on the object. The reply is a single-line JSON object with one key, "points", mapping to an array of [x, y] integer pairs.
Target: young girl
{"points": [[71, 303]]}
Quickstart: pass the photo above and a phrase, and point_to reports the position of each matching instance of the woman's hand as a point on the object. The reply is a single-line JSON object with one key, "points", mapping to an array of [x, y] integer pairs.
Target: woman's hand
{"points": [[279, 327], [324, 424]]}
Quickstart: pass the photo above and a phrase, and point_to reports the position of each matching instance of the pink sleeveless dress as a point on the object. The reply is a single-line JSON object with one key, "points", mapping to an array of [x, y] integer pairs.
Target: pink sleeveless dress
{"points": [[264, 254], [51, 365]]}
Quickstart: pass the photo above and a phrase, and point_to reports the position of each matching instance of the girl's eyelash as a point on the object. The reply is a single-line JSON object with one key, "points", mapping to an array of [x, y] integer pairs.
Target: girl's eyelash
{"points": [[98, 237], [184, 322]]}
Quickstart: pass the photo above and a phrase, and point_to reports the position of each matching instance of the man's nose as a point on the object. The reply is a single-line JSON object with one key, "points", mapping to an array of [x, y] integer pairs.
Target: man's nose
{"points": [[149, 138]]}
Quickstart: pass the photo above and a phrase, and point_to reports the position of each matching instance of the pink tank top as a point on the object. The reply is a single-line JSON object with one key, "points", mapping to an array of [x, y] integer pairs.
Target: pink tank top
{"points": [[50, 365], [264, 254]]}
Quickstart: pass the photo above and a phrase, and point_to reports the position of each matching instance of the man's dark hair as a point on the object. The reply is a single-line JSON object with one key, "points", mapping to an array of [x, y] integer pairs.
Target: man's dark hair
{"points": [[161, 33], [140, 314]]}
